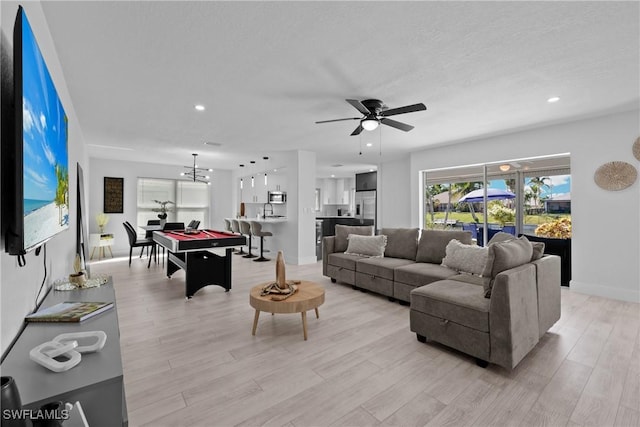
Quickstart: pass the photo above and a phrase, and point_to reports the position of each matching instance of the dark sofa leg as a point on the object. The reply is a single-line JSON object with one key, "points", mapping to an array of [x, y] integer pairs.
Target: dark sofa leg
{"points": [[403, 302], [421, 338], [482, 363], [333, 280], [354, 287], [391, 299]]}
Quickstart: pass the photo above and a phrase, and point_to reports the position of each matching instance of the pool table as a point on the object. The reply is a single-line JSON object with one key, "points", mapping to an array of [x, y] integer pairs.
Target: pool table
{"points": [[189, 250]]}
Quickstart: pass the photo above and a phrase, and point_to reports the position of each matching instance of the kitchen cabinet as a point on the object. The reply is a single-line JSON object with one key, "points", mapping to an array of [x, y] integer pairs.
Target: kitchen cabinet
{"points": [[256, 193], [336, 191]]}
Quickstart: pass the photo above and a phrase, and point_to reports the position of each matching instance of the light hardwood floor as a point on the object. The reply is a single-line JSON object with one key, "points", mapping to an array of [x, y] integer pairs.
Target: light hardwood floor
{"points": [[195, 363]]}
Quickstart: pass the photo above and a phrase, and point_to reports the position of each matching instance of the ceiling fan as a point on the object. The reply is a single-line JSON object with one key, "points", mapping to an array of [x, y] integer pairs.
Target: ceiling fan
{"points": [[376, 112]]}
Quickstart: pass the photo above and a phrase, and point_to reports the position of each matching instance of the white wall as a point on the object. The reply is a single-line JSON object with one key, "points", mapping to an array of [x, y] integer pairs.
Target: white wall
{"points": [[395, 192], [221, 201], [19, 286], [606, 224]]}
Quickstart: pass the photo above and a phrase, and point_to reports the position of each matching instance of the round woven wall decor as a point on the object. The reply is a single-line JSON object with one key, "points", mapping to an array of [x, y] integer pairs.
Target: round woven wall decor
{"points": [[614, 176], [636, 148]]}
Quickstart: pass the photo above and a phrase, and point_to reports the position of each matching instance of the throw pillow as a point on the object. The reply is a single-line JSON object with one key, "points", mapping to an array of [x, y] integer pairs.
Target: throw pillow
{"points": [[372, 246], [343, 231], [538, 247], [501, 236], [433, 244], [470, 259], [506, 255], [401, 242], [538, 250]]}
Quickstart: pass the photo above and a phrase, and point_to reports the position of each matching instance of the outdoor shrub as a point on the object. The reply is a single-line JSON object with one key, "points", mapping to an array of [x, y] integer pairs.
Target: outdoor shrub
{"points": [[501, 213], [559, 229]]}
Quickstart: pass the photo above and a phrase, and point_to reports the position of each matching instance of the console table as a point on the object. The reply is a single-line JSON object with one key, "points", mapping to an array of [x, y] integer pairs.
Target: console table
{"points": [[96, 382]]}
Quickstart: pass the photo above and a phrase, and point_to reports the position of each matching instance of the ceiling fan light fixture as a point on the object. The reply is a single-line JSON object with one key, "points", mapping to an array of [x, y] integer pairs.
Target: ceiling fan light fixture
{"points": [[370, 123]]}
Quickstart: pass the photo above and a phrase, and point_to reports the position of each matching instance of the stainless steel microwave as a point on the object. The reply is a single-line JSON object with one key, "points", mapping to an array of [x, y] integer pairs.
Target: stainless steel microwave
{"points": [[277, 197]]}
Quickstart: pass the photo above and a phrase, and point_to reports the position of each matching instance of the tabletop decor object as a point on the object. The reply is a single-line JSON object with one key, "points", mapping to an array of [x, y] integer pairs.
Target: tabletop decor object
{"points": [[78, 277], [102, 220], [10, 401], [93, 282], [281, 289], [163, 209], [636, 148], [615, 176]]}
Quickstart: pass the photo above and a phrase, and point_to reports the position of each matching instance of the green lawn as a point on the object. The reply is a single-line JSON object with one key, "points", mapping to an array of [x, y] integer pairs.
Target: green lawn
{"points": [[466, 217]]}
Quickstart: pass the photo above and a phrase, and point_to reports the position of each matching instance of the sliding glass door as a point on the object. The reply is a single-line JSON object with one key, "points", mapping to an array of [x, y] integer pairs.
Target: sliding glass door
{"points": [[518, 197]]}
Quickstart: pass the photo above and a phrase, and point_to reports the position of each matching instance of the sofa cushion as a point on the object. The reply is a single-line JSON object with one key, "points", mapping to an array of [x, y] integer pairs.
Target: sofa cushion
{"points": [[401, 242], [381, 267], [506, 255], [343, 231], [421, 273], [471, 279], [470, 259], [372, 246], [433, 243], [455, 301], [342, 260]]}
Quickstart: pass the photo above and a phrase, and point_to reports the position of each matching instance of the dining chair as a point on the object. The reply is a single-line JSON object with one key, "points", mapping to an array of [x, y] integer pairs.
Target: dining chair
{"points": [[168, 226], [134, 242], [193, 224]]}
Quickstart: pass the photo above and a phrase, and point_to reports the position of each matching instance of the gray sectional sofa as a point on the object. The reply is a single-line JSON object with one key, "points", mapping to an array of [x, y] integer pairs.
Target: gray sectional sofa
{"points": [[497, 315]]}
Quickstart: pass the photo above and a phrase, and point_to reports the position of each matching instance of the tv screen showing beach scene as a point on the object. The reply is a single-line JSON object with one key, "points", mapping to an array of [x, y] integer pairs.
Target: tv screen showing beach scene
{"points": [[45, 148]]}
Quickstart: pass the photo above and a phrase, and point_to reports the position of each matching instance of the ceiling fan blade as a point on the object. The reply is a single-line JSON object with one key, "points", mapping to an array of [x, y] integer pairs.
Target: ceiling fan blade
{"points": [[395, 124], [339, 120], [357, 131], [358, 106], [403, 110]]}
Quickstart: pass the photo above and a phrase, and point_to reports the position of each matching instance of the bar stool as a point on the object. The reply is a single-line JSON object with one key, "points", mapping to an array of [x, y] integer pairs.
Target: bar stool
{"points": [[229, 228], [245, 228], [235, 228], [256, 230]]}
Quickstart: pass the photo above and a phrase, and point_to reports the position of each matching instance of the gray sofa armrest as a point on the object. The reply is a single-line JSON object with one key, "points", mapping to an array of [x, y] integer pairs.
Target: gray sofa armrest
{"points": [[548, 275], [328, 247], [513, 315]]}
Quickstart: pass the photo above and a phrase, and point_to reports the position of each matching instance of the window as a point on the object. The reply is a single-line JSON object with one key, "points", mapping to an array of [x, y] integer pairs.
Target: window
{"points": [[191, 200], [528, 193]]}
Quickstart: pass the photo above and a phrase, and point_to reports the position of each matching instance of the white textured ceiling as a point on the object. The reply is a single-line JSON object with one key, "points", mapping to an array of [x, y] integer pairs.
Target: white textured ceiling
{"points": [[266, 71]]}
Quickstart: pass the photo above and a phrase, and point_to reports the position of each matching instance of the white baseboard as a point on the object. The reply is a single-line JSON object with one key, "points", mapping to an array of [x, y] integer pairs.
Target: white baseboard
{"points": [[630, 295]]}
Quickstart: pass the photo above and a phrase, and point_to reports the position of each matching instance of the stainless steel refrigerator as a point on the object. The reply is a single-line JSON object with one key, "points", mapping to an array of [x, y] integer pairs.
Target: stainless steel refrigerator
{"points": [[366, 207]]}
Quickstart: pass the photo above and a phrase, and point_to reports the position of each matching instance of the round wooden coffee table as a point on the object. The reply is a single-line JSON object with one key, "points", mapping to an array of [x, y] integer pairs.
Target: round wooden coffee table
{"points": [[310, 295]]}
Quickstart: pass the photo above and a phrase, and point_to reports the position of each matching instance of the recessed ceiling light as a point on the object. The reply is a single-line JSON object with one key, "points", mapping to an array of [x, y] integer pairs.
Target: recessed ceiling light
{"points": [[369, 144], [505, 167], [553, 99], [371, 170], [199, 107], [333, 176]]}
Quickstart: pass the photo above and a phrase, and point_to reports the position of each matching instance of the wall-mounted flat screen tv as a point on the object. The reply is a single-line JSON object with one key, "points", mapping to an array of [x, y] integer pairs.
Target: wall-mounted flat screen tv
{"points": [[39, 208]]}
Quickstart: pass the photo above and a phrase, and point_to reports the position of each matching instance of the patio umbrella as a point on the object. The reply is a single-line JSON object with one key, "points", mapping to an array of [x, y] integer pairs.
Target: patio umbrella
{"points": [[492, 194]]}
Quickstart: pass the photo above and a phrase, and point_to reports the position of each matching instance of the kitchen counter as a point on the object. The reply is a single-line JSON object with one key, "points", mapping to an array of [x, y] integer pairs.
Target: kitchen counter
{"points": [[267, 220]]}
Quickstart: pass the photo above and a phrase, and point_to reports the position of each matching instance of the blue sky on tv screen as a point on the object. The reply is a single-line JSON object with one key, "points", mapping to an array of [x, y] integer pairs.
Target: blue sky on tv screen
{"points": [[44, 123]]}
